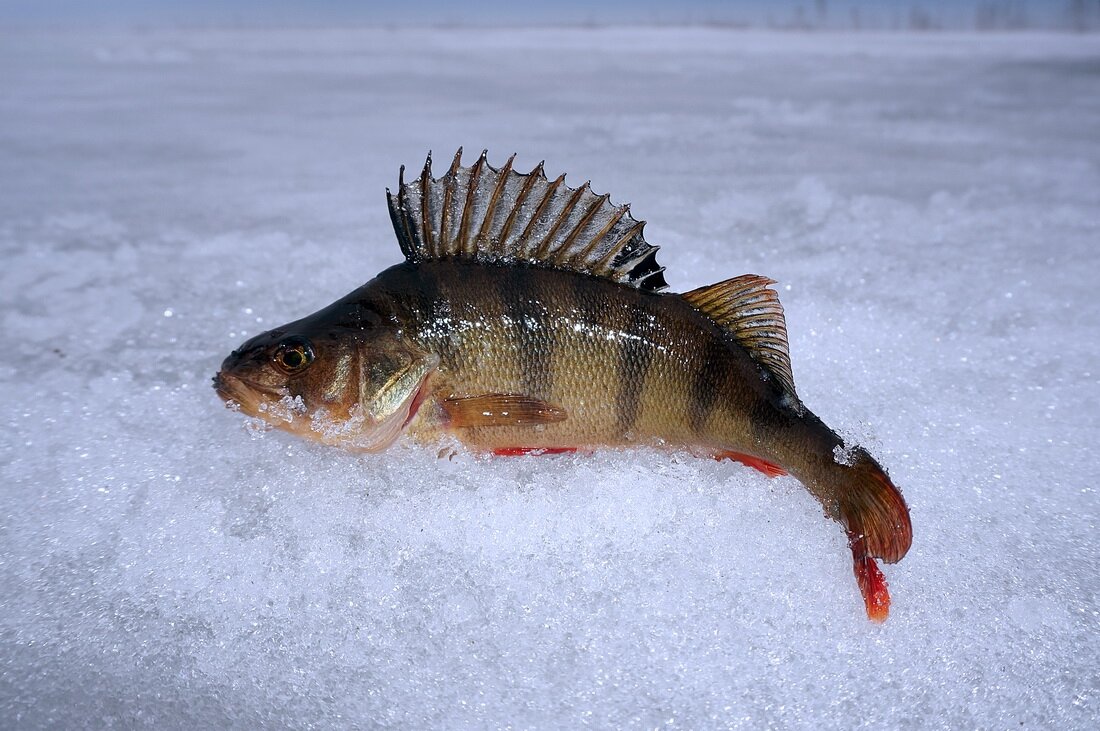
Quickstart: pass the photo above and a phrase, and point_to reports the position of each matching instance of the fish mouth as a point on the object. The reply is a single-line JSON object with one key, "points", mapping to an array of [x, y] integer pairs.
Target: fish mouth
{"points": [[244, 393], [222, 387]]}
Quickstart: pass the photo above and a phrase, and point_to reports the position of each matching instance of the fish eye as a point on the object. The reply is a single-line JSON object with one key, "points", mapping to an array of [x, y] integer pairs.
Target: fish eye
{"points": [[294, 354]]}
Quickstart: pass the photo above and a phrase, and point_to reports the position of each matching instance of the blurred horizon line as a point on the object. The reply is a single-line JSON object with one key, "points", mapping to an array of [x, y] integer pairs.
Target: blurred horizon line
{"points": [[145, 27], [1073, 16]]}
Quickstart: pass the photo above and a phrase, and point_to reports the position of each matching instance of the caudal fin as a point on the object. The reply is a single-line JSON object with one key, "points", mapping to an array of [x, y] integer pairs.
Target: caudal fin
{"points": [[872, 584], [873, 509], [878, 525]]}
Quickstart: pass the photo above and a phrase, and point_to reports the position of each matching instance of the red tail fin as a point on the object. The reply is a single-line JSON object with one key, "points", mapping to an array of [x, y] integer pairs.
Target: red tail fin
{"points": [[872, 584]]}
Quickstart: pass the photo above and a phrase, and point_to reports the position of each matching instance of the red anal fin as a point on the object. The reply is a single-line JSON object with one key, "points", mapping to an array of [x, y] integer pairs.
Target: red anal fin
{"points": [[534, 451], [769, 469], [872, 584]]}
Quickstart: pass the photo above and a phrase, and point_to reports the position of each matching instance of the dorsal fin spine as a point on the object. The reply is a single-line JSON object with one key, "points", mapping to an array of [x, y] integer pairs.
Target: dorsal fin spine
{"points": [[604, 264], [654, 273], [521, 201], [448, 195], [463, 228], [608, 259], [398, 222], [585, 219], [403, 203], [595, 240], [425, 180], [399, 218], [640, 259], [540, 252], [550, 190], [605, 231], [502, 180]]}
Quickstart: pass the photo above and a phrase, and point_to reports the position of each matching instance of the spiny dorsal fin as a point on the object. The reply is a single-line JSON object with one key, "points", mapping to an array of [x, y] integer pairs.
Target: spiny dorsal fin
{"points": [[498, 215], [753, 315]]}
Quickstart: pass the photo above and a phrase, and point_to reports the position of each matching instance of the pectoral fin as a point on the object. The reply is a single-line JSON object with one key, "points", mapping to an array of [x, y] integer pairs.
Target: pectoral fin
{"points": [[498, 409]]}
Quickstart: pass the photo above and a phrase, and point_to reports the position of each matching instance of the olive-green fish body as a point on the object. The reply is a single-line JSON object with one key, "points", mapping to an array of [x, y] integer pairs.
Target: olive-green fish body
{"points": [[628, 367]]}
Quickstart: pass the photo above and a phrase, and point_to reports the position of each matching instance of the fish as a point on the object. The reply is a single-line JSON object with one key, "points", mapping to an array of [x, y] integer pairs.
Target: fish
{"points": [[530, 317]]}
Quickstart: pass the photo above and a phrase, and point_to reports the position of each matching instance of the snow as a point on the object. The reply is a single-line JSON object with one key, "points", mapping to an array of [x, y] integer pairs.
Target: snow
{"points": [[930, 205]]}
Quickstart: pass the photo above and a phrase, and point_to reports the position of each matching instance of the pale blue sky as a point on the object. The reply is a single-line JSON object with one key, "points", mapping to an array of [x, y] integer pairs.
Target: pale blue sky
{"points": [[953, 14]]}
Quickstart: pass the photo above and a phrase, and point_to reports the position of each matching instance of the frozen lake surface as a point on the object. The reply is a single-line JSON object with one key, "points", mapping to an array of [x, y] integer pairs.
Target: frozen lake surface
{"points": [[930, 205]]}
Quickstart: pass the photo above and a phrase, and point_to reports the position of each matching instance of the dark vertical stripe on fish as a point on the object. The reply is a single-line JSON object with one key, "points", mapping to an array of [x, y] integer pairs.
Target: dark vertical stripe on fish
{"points": [[536, 343], [435, 308], [635, 356], [704, 390], [586, 305]]}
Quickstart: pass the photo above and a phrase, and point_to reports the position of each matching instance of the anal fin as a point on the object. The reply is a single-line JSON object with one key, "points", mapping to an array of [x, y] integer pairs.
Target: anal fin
{"points": [[532, 451], [769, 469], [498, 409]]}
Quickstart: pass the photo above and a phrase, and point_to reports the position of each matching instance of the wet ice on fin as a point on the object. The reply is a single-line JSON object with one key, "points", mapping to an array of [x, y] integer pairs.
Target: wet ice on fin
{"points": [[496, 215]]}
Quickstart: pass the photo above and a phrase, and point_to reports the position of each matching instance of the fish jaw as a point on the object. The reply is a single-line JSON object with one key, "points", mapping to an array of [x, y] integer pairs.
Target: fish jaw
{"points": [[272, 405], [253, 399]]}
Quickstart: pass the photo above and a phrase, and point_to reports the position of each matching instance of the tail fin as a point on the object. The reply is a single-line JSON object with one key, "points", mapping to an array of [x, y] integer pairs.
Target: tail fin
{"points": [[878, 525], [874, 511]]}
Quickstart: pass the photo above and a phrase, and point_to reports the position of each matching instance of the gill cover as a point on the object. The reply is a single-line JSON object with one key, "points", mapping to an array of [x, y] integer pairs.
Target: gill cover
{"points": [[387, 380], [391, 385]]}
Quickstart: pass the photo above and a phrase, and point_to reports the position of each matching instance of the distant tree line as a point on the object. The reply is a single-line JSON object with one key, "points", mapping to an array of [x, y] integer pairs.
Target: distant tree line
{"points": [[930, 15]]}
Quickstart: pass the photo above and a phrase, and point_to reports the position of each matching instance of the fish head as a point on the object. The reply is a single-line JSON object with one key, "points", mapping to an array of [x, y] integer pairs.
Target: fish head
{"points": [[351, 387]]}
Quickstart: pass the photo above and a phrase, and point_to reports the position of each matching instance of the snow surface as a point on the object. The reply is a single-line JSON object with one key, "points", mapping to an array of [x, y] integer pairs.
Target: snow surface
{"points": [[929, 204]]}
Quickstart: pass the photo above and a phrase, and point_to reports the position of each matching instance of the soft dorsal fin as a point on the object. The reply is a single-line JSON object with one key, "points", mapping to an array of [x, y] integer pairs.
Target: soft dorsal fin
{"points": [[753, 315], [498, 215]]}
